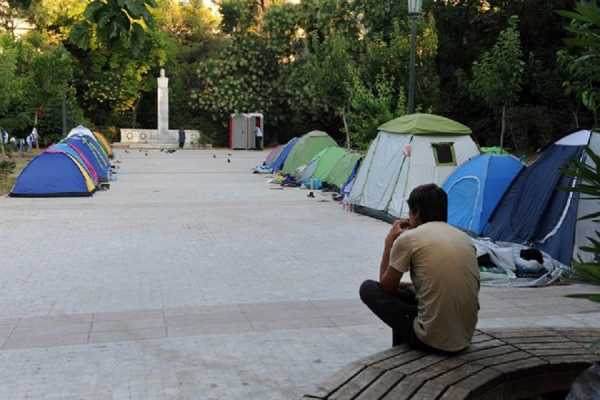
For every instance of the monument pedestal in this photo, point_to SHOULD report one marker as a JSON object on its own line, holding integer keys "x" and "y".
{"x": 152, "y": 139}
{"x": 163, "y": 137}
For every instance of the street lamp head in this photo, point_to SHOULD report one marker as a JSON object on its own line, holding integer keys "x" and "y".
{"x": 414, "y": 7}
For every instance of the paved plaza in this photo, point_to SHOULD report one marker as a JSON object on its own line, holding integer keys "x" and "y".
{"x": 193, "y": 279}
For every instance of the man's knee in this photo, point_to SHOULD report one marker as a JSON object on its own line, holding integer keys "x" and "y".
{"x": 368, "y": 289}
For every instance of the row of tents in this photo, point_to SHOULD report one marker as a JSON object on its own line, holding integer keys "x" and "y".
{"x": 76, "y": 166}
{"x": 489, "y": 195}
{"x": 313, "y": 157}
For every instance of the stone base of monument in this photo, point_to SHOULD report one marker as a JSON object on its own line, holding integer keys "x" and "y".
{"x": 150, "y": 139}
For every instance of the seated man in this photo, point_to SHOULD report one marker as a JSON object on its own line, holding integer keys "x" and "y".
{"x": 438, "y": 313}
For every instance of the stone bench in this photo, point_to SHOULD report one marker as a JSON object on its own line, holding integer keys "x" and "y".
{"x": 500, "y": 364}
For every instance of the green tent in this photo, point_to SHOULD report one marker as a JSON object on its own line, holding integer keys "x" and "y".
{"x": 328, "y": 160}
{"x": 305, "y": 149}
{"x": 342, "y": 170}
{"x": 494, "y": 150}
{"x": 425, "y": 124}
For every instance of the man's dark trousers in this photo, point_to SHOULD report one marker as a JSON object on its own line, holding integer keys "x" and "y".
{"x": 398, "y": 311}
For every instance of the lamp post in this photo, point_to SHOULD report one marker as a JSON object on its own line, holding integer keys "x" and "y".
{"x": 414, "y": 10}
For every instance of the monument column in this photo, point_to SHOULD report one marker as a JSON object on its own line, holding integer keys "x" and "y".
{"x": 163, "y": 105}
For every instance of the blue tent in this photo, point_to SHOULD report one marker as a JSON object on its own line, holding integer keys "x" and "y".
{"x": 475, "y": 188}
{"x": 53, "y": 174}
{"x": 97, "y": 162}
{"x": 77, "y": 155}
{"x": 280, "y": 160}
{"x": 537, "y": 212}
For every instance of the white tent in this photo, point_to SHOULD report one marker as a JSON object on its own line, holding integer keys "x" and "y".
{"x": 409, "y": 151}
{"x": 81, "y": 130}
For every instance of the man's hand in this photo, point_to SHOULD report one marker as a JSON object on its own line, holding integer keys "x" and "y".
{"x": 399, "y": 226}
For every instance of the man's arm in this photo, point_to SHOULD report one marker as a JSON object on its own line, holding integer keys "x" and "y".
{"x": 389, "y": 277}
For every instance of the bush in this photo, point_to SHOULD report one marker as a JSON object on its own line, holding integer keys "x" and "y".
{"x": 588, "y": 184}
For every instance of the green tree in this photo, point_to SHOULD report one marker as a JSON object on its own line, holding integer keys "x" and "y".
{"x": 114, "y": 24}
{"x": 582, "y": 59}
{"x": 498, "y": 75}
{"x": 239, "y": 78}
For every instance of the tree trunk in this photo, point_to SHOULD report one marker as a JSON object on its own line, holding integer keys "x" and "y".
{"x": 503, "y": 129}
{"x": 576, "y": 119}
{"x": 346, "y": 129}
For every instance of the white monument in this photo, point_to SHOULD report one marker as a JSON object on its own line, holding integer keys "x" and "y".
{"x": 163, "y": 136}
{"x": 163, "y": 104}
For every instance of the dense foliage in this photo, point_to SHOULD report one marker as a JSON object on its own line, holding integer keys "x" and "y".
{"x": 502, "y": 67}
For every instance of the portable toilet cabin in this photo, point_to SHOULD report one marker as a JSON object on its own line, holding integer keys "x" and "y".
{"x": 242, "y": 130}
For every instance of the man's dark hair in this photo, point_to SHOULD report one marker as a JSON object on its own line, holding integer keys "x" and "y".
{"x": 430, "y": 202}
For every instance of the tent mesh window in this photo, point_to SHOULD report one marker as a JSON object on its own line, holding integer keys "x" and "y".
{"x": 444, "y": 153}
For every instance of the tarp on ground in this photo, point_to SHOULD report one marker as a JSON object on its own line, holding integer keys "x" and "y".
{"x": 53, "y": 174}
{"x": 538, "y": 212}
{"x": 475, "y": 188}
{"x": 342, "y": 170}
{"x": 280, "y": 160}
{"x": 305, "y": 149}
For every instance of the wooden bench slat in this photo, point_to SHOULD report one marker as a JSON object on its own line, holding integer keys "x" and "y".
{"x": 382, "y": 385}
{"x": 488, "y": 353}
{"x": 420, "y": 364}
{"x": 359, "y": 382}
{"x": 401, "y": 359}
{"x": 481, "y": 382}
{"x": 338, "y": 379}
{"x": 505, "y": 358}
{"x": 536, "y": 339}
{"x": 435, "y": 387}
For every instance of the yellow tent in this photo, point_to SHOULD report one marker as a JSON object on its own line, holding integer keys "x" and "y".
{"x": 104, "y": 142}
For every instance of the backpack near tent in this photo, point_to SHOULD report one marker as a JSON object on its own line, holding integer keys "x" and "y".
{"x": 53, "y": 174}
{"x": 305, "y": 149}
{"x": 536, "y": 211}
{"x": 475, "y": 188}
{"x": 91, "y": 154}
{"x": 280, "y": 160}
{"x": 408, "y": 151}
{"x": 342, "y": 170}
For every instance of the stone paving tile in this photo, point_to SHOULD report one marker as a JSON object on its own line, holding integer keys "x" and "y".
{"x": 206, "y": 317}
{"x": 43, "y": 341}
{"x": 301, "y": 323}
{"x": 210, "y": 328}
{"x": 126, "y": 325}
{"x": 54, "y": 329}
{"x": 128, "y": 315}
{"x": 127, "y": 335}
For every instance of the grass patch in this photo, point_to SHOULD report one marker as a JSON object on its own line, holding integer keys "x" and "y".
{"x": 595, "y": 297}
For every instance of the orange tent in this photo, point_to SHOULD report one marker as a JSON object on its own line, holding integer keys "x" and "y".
{"x": 104, "y": 142}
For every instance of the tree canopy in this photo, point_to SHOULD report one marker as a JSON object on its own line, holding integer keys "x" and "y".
{"x": 521, "y": 69}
